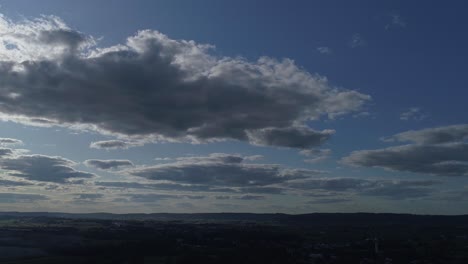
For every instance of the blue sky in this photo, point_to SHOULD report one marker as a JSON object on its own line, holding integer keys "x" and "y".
{"x": 210, "y": 106}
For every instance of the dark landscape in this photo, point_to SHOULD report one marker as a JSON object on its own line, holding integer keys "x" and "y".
{"x": 232, "y": 238}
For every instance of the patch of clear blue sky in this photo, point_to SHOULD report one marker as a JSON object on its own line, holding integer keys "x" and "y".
{"x": 422, "y": 64}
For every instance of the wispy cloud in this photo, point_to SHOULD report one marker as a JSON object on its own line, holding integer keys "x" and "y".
{"x": 357, "y": 41}
{"x": 325, "y": 50}
{"x": 413, "y": 113}
{"x": 396, "y": 22}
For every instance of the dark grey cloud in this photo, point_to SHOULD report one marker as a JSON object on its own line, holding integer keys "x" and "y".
{"x": 262, "y": 189}
{"x": 332, "y": 184}
{"x": 107, "y": 164}
{"x": 156, "y": 197}
{"x": 220, "y": 170}
{"x": 165, "y": 89}
{"x": 398, "y": 192}
{"x": 7, "y": 141}
{"x": 329, "y": 200}
{"x": 441, "y": 151}
{"x": 437, "y": 135}
{"x": 110, "y": 144}
{"x": 315, "y": 155}
{"x": 250, "y": 197}
{"x": 450, "y": 159}
{"x": 21, "y": 198}
{"x": 87, "y": 198}
{"x": 222, "y": 197}
{"x": 62, "y": 37}
{"x": 5, "y": 152}
{"x": 292, "y": 137}
{"x": 148, "y": 197}
{"x": 453, "y": 196}
{"x": 10, "y": 183}
{"x": 164, "y": 186}
{"x": 397, "y": 189}
{"x": 42, "y": 168}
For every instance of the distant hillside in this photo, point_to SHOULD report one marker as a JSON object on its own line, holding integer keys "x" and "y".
{"x": 314, "y": 219}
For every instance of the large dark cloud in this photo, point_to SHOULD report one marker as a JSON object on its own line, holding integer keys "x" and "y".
{"x": 107, "y": 164}
{"x": 220, "y": 170}
{"x": 438, "y": 151}
{"x": 161, "y": 88}
{"x": 42, "y": 168}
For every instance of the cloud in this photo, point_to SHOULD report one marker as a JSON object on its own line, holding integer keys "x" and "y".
{"x": 5, "y": 152}
{"x": 413, "y": 113}
{"x": 292, "y": 137}
{"x": 440, "y": 151}
{"x": 222, "y": 197}
{"x": 315, "y": 155}
{"x": 396, "y": 21}
{"x": 450, "y": 159}
{"x": 10, "y": 141}
{"x": 148, "y": 197}
{"x": 107, "y": 164}
{"x": 437, "y": 135}
{"x": 227, "y": 173}
{"x": 156, "y": 197}
{"x": 396, "y": 189}
{"x": 357, "y": 41}
{"x": 110, "y": 144}
{"x": 9, "y": 183}
{"x": 263, "y": 190}
{"x": 324, "y": 50}
{"x": 21, "y": 198}
{"x": 220, "y": 170}
{"x": 164, "y": 186}
{"x": 250, "y": 197}
{"x": 156, "y": 87}
{"x": 329, "y": 200}
{"x": 84, "y": 198}
{"x": 47, "y": 37}
{"x": 41, "y": 168}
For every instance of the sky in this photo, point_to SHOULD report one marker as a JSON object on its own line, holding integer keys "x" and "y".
{"x": 233, "y": 106}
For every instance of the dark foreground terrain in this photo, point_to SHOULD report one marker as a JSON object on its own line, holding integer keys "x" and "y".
{"x": 232, "y": 238}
